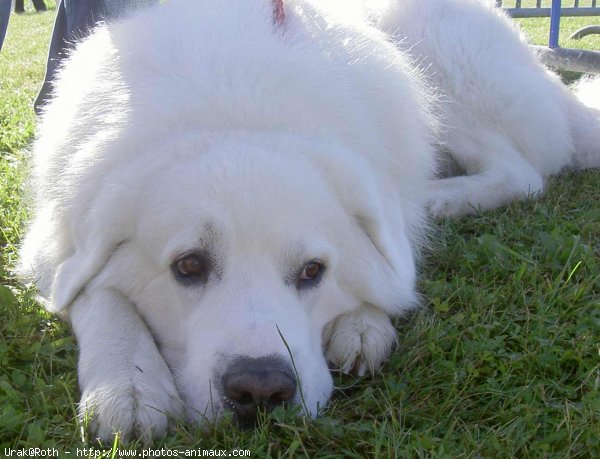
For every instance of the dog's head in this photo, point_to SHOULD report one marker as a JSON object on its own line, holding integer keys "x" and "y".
{"x": 237, "y": 256}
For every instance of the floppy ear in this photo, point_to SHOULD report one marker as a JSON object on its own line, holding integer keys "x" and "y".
{"x": 95, "y": 237}
{"x": 62, "y": 260}
{"x": 77, "y": 271}
{"x": 380, "y": 267}
{"x": 377, "y": 231}
{"x": 385, "y": 274}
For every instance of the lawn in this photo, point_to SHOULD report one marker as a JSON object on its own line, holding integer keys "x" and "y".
{"x": 503, "y": 361}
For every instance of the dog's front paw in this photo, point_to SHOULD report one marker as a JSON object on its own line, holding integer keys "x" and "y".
{"x": 141, "y": 407}
{"x": 443, "y": 205}
{"x": 360, "y": 340}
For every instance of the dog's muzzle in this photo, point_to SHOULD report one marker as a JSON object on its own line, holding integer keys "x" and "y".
{"x": 251, "y": 385}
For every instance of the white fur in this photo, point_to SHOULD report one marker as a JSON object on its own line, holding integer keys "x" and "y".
{"x": 357, "y": 340}
{"x": 508, "y": 122}
{"x": 202, "y": 125}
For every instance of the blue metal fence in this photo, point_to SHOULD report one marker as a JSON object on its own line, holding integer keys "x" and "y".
{"x": 520, "y": 9}
{"x": 553, "y": 55}
{"x": 555, "y": 13}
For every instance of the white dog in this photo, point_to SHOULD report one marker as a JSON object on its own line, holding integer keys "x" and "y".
{"x": 227, "y": 200}
{"x": 508, "y": 122}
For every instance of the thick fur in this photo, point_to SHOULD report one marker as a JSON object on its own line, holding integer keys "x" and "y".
{"x": 203, "y": 126}
{"x": 266, "y": 146}
{"x": 508, "y": 122}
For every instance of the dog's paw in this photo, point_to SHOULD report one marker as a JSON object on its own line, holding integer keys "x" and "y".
{"x": 441, "y": 208}
{"x": 360, "y": 340}
{"x": 141, "y": 407}
{"x": 445, "y": 205}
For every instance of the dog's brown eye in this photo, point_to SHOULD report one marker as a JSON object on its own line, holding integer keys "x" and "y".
{"x": 190, "y": 266}
{"x": 311, "y": 271}
{"x": 311, "y": 275}
{"x": 192, "y": 269}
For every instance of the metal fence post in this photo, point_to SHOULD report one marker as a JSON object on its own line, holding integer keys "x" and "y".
{"x": 554, "y": 24}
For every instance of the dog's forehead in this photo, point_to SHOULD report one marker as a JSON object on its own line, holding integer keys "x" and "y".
{"x": 242, "y": 177}
{"x": 244, "y": 194}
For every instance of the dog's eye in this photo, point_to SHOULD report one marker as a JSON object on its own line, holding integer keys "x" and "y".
{"x": 311, "y": 271}
{"x": 191, "y": 268}
{"x": 311, "y": 274}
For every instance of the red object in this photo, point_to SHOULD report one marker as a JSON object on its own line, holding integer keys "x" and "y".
{"x": 278, "y": 13}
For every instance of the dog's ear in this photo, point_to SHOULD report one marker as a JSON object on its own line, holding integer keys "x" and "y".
{"x": 62, "y": 262}
{"x": 95, "y": 237}
{"x": 77, "y": 271}
{"x": 64, "y": 251}
{"x": 382, "y": 271}
{"x": 379, "y": 266}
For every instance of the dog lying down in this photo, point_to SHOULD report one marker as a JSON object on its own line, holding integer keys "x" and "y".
{"x": 222, "y": 186}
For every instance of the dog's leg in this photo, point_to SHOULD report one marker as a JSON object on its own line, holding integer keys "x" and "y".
{"x": 584, "y": 122}
{"x": 126, "y": 385}
{"x": 359, "y": 340}
{"x": 496, "y": 174}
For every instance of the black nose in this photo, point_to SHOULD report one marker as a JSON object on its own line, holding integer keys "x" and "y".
{"x": 250, "y": 385}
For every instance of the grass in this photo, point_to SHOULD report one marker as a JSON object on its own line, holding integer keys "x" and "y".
{"x": 503, "y": 362}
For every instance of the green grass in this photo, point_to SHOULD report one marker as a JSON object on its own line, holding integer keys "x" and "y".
{"x": 504, "y": 361}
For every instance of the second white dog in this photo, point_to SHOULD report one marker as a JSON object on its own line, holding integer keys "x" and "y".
{"x": 508, "y": 123}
